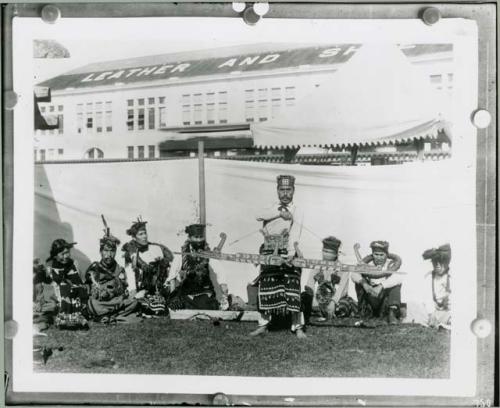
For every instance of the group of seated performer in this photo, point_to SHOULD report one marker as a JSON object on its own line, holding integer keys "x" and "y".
{"x": 108, "y": 292}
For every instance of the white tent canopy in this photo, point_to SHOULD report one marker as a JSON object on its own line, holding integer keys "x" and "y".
{"x": 378, "y": 97}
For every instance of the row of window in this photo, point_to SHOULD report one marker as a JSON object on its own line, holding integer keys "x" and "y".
{"x": 58, "y": 131}
{"x": 262, "y": 103}
{"x": 47, "y": 154}
{"x": 51, "y": 111}
{"x": 94, "y": 117}
{"x": 199, "y": 108}
{"x": 139, "y": 152}
{"x": 51, "y": 108}
{"x": 146, "y": 113}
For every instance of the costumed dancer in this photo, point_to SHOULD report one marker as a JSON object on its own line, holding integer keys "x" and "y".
{"x": 196, "y": 289}
{"x": 147, "y": 266}
{"x": 326, "y": 280}
{"x": 380, "y": 296}
{"x": 279, "y": 286}
{"x": 71, "y": 290}
{"x": 441, "y": 291}
{"x": 109, "y": 299}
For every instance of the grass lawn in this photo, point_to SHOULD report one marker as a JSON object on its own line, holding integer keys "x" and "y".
{"x": 163, "y": 346}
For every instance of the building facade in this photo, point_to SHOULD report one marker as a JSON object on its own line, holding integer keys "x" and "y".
{"x": 125, "y": 109}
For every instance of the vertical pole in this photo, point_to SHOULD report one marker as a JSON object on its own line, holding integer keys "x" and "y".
{"x": 201, "y": 181}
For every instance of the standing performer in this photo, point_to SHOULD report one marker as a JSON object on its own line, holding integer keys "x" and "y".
{"x": 71, "y": 290}
{"x": 441, "y": 291}
{"x": 196, "y": 289}
{"x": 279, "y": 286}
{"x": 326, "y": 280}
{"x": 147, "y": 266}
{"x": 380, "y": 296}
{"x": 110, "y": 299}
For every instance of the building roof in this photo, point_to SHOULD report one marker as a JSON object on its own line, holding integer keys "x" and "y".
{"x": 398, "y": 104}
{"x": 225, "y": 60}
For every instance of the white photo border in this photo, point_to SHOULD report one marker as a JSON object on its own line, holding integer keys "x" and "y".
{"x": 461, "y": 33}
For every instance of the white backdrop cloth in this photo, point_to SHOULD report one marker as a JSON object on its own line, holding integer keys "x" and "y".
{"x": 413, "y": 206}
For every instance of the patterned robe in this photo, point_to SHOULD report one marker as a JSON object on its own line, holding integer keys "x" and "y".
{"x": 196, "y": 290}
{"x": 279, "y": 286}
{"x": 150, "y": 265}
{"x": 109, "y": 296}
{"x": 72, "y": 292}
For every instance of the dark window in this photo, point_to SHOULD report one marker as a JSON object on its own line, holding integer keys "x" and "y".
{"x": 60, "y": 152}
{"x": 151, "y": 152}
{"x": 140, "y": 119}
{"x": 130, "y": 152}
{"x": 107, "y": 121}
{"x": 151, "y": 118}
{"x": 42, "y": 154}
{"x": 60, "y": 108}
{"x": 140, "y": 101}
{"x": 95, "y": 153}
{"x": 130, "y": 119}
{"x": 130, "y": 102}
{"x": 90, "y": 123}
{"x": 151, "y": 101}
{"x": 141, "y": 152}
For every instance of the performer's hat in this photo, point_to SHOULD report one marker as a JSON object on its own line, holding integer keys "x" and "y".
{"x": 58, "y": 246}
{"x": 109, "y": 241}
{"x": 285, "y": 180}
{"x": 441, "y": 254}
{"x": 332, "y": 243}
{"x": 195, "y": 230}
{"x": 380, "y": 245}
{"x": 136, "y": 227}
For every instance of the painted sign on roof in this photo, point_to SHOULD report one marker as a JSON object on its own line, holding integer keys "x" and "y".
{"x": 269, "y": 60}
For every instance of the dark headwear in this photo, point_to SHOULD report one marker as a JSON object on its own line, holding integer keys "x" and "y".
{"x": 195, "y": 230}
{"x": 109, "y": 241}
{"x": 136, "y": 227}
{"x": 285, "y": 180}
{"x": 441, "y": 254}
{"x": 331, "y": 243}
{"x": 58, "y": 246}
{"x": 380, "y": 245}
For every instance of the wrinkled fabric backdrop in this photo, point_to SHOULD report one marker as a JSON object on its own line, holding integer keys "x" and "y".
{"x": 413, "y": 206}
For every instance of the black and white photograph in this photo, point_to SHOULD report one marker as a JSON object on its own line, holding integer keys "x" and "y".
{"x": 209, "y": 206}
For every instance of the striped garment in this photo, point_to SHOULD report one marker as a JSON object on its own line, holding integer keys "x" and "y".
{"x": 279, "y": 289}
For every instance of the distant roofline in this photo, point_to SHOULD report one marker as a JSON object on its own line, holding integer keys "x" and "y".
{"x": 201, "y": 53}
{"x": 117, "y": 68}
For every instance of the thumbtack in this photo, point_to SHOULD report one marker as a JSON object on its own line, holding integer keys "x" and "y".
{"x": 238, "y": 7}
{"x": 50, "y": 14}
{"x": 481, "y": 327}
{"x": 481, "y": 118}
{"x": 250, "y": 16}
{"x": 10, "y": 329}
{"x": 431, "y": 15}
{"x": 261, "y": 8}
{"x": 10, "y": 99}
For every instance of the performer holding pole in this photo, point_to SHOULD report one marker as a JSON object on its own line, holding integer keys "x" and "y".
{"x": 279, "y": 286}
